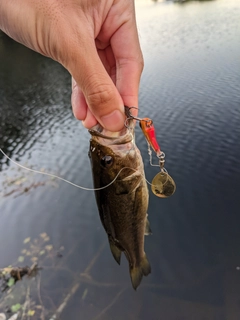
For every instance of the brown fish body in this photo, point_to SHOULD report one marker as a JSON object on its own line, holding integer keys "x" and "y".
{"x": 123, "y": 204}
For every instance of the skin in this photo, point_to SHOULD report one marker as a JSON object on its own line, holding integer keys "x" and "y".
{"x": 95, "y": 40}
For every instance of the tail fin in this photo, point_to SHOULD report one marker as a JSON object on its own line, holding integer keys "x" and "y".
{"x": 136, "y": 273}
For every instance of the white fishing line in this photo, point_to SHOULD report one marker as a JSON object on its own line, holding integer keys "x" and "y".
{"x": 69, "y": 182}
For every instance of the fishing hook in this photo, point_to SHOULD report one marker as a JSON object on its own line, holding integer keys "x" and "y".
{"x": 130, "y": 116}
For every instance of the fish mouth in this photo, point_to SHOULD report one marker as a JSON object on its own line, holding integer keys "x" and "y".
{"x": 99, "y": 131}
{"x": 106, "y": 137}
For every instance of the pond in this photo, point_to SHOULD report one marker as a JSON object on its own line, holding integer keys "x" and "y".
{"x": 191, "y": 88}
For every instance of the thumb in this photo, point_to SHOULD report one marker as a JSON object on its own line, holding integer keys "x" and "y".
{"x": 100, "y": 93}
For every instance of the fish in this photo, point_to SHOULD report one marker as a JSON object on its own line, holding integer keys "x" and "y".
{"x": 117, "y": 163}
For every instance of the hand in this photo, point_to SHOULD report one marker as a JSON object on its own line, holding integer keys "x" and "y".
{"x": 95, "y": 40}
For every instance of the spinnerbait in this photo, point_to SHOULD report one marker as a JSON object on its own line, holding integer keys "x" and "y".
{"x": 163, "y": 185}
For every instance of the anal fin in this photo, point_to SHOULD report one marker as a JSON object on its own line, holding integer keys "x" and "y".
{"x": 148, "y": 230}
{"x": 116, "y": 252}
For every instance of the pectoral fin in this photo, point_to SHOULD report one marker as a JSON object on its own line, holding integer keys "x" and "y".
{"x": 116, "y": 252}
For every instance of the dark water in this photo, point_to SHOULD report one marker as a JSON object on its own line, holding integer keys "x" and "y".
{"x": 191, "y": 88}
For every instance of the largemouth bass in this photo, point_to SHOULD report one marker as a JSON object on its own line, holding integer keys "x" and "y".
{"x": 123, "y": 204}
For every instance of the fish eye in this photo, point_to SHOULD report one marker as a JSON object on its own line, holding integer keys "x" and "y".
{"x": 107, "y": 161}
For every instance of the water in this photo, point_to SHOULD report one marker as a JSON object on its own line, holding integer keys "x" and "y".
{"x": 191, "y": 88}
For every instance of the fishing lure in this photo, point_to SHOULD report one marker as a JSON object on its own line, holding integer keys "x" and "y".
{"x": 162, "y": 185}
{"x": 146, "y": 124}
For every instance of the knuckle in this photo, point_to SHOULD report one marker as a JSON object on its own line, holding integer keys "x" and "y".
{"x": 100, "y": 95}
{"x": 137, "y": 61}
{"x": 140, "y": 61}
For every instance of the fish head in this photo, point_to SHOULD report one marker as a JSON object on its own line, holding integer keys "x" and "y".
{"x": 113, "y": 155}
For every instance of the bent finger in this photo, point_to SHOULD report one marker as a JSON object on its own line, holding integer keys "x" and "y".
{"x": 79, "y": 105}
{"x": 102, "y": 96}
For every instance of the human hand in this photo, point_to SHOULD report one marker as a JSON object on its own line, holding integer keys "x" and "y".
{"x": 95, "y": 40}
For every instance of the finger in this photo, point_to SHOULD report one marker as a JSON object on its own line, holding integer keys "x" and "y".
{"x": 79, "y": 105}
{"x": 109, "y": 62}
{"x": 128, "y": 66}
{"x": 80, "y": 108}
{"x": 90, "y": 120}
{"x": 102, "y": 96}
{"x": 78, "y": 101}
{"x": 127, "y": 53}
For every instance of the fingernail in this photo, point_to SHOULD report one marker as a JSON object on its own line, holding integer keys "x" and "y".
{"x": 114, "y": 121}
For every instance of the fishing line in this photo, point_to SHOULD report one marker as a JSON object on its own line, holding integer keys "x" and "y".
{"x": 69, "y": 182}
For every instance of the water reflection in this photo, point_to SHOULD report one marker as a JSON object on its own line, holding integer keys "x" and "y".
{"x": 190, "y": 87}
